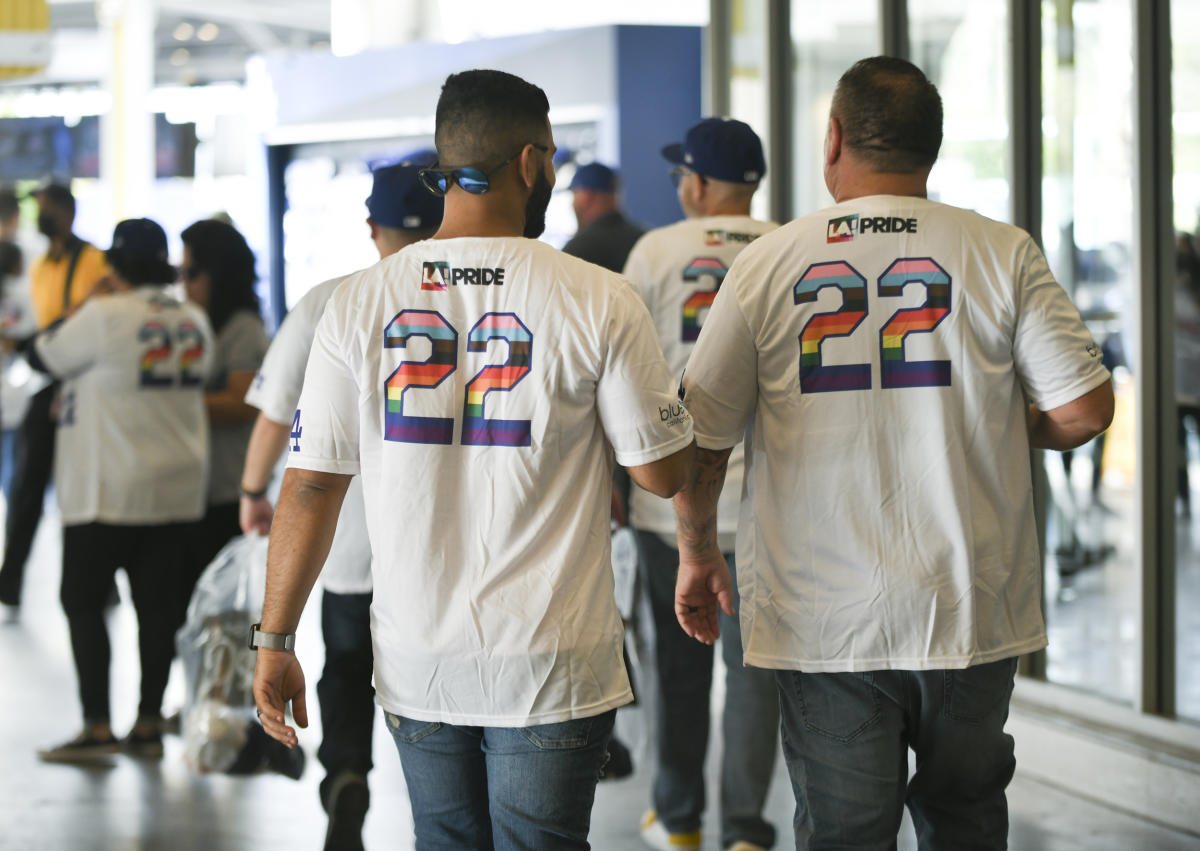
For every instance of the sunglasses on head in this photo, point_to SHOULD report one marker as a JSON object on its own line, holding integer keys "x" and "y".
{"x": 679, "y": 172}
{"x": 473, "y": 180}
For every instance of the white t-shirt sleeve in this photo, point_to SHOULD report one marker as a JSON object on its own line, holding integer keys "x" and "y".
{"x": 637, "y": 269}
{"x": 636, "y": 395}
{"x": 70, "y": 349}
{"x": 1056, "y": 358}
{"x": 325, "y": 429}
{"x": 720, "y": 383}
{"x": 276, "y": 389}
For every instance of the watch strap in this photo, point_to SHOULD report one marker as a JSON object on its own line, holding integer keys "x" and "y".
{"x": 271, "y": 640}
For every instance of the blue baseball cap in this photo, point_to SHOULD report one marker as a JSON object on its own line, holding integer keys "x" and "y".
{"x": 398, "y": 200}
{"x": 141, "y": 241}
{"x": 595, "y": 176}
{"x": 721, "y": 148}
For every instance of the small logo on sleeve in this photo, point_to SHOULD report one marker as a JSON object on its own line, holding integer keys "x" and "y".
{"x": 1093, "y": 350}
{"x": 437, "y": 275}
{"x": 674, "y": 413}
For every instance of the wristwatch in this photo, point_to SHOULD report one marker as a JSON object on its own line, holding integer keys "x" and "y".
{"x": 271, "y": 640}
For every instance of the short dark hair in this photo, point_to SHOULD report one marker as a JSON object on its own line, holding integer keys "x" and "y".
{"x": 140, "y": 271}
{"x": 890, "y": 114}
{"x": 220, "y": 250}
{"x": 484, "y": 116}
{"x": 8, "y": 203}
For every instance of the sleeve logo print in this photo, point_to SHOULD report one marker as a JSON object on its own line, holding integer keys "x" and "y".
{"x": 438, "y": 275}
{"x": 673, "y": 414}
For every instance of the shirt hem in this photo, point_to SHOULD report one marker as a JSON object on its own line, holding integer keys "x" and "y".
{"x": 468, "y": 720}
{"x": 1077, "y": 390}
{"x": 649, "y": 456}
{"x": 927, "y": 663}
{"x": 324, "y": 465}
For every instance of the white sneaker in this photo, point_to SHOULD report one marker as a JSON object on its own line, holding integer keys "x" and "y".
{"x": 656, "y": 836}
{"x": 743, "y": 845}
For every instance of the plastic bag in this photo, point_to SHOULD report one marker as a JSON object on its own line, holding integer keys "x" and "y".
{"x": 218, "y": 667}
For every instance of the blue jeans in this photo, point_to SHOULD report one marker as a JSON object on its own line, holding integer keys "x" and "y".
{"x": 846, "y": 738}
{"x": 528, "y": 788}
{"x": 345, "y": 693}
{"x": 750, "y": 722}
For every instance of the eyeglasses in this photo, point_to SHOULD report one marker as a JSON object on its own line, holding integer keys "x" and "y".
{"x": 473, "y": 180}
{"x": 679, "y": 172}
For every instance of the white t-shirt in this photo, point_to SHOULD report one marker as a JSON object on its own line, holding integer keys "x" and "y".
{"x": 677, "y": 270}
{"x": 276, "y": 391}
{"x": 481, "y": 387}
{"x": 132, "y": 430}
{"x": 882, "y": 352}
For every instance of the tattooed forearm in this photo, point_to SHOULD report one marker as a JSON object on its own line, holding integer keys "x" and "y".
{"x": 696, "y": 504}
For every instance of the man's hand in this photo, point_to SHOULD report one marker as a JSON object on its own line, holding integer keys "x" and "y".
{"x": 255, "y": 514}
{"x": 279, "y": 678}
{"x": 700, "y": 587}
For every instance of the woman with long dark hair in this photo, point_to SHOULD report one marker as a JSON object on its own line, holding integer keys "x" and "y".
{"x": 218, "y": 272}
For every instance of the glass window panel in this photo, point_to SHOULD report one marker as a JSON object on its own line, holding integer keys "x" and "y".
{"x": 827, "y": 40}
{"x": 963, "y": 49}
{"x": 748, "y": 83}
{"x": 1092, "y": 583}
{"x": 1185, "y": 81}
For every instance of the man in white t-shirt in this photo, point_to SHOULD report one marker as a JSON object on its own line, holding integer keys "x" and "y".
{"x": 130, "y": 469}
{"x": 481, "y": 384}
{"x": 401, "y": 212}
{"x": 890, "y": 361}
{"x": 677, "y": 270}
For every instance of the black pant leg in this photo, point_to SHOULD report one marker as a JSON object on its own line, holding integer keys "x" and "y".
{"x": 34, "y": 462}
{"x": 160, "y": 558}
{"x": 90, "y": 560}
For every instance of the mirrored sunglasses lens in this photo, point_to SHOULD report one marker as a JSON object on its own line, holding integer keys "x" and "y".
{"x": 434, "y": 181}
{"x": 472, "y": 180}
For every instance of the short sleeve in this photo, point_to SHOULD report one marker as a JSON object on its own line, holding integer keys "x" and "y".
{"x": 276, "y": 389}
{"x": 325, "y": 426}
{"x": 720, "y": 384}
{"x": 244, "y": 342}
{"x": 636, "y": 396}
{"x": 637, "y": 269}
{"x": 69, "y": 349}
{"x": 1056, "y": 358}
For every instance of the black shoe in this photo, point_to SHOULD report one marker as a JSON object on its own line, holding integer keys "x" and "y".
{"x": 84, "y": 747}
{"x": 147, "y": 745}
{"x": 349, "y": 798}
{"x": 619, "y": 763}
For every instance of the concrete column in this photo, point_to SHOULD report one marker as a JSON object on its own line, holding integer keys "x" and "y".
{"x": 127, "y": 130}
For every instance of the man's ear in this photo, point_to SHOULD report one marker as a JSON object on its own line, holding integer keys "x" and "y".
{"x": 374, "y": 228}
{"x": 833, "y": 141}
{"x": 530, "y": 163}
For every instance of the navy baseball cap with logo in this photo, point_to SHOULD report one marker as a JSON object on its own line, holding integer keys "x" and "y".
{"x": 594, "y": 176}
{"x": 398, "y": 200}
{"x": 721, "y": 148}
{"x": 142, "y": 241}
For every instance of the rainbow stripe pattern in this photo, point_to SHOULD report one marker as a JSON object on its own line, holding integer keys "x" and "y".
{"x": 411, "y": 375}
{"x": 814, "y": 377}
{"x": 159, "y": 337}
{"x": 699, "y": 268}
{"x": 895, "y": 370}
{"x": 193, "y": 350}
{"x": 477, "y": 429}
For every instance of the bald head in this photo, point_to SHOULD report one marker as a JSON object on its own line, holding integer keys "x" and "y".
{"x": 890, "y": 115}
{"x": 484, "y": 117}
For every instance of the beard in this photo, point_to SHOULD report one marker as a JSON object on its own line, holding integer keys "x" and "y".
{"x": 535, "y": 207}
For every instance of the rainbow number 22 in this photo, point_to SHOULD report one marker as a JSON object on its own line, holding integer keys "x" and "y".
{"x": 477, "y": 429}
{"x": 895, "y": 370}
{"x": 695, "y": 271}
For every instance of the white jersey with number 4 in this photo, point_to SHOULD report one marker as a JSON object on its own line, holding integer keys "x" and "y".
{"x": 677, "y": 270}
{"x": 481, "y": 387}
{"x": 276, "y": 391}
{"x": 884, "y": 352}
{"x": 132, "y": 429}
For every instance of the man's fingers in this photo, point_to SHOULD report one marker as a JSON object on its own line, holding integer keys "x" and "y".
{"x": 300, "y": 710}
{"x": 725, "y": 599}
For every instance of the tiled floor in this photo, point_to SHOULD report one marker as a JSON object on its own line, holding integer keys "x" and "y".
{"x": 128, "y": 804}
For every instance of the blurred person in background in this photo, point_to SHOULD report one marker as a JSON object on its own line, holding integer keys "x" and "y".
{"x": 133, "y": 447}
{"x": 59, "y": 280}
{"x": 401, "y": 212}
{"x": 218, "y": 274}
{"x": 1187, "y": 356}
{"x": 605, "y": 235}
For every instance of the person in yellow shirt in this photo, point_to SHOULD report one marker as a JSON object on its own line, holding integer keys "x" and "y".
{"x": 59, "y": 280}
